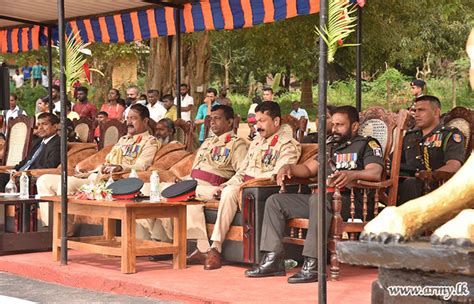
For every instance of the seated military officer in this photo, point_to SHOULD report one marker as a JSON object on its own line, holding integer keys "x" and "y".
{"x": 355, "y": 157}
{"x": 133, "y": 151}
{"x": 428, "y": 147}
{"x": 266, "y": 155}
{"x": 217, "y": 160}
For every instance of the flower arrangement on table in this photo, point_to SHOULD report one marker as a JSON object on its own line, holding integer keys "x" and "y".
{"x": 97, "y": 191}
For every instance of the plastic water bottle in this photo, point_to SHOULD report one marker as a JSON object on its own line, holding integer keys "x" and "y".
{"x": 133, "y": 173}
{"x": 24, "y": 185}
{"x": 155, "y": 193}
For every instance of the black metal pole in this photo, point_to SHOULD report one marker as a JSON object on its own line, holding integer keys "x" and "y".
{"x": 50, "y": 71}
{"x": 178, "y": 60}
{"x": 321, "y": 213}
{"x": 359, "y": 61}
{"x": 62, "y": 77}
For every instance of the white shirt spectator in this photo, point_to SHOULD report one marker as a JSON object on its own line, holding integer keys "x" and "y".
{"x": 157, "y": 111}
{"x": 185, "y": 101}
{"x": 13, "y": 113}
{"x": 44, "y": 80}
{"x": 18, "y": 79}
{"x": 301, "y": 113}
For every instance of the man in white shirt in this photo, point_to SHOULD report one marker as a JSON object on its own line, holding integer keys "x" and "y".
{"x": 14, "y": 110}
{"x": 187, "y": 102}
{"x": 298, "y": 112}
{"x": 133, "y": 95}
{"x": 18, "y": 79}
{"x": 44, "y": 79}
{"x": 157, "y": 111}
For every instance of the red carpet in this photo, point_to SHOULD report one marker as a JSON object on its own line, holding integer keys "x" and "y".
{"x": 192, "y": 285}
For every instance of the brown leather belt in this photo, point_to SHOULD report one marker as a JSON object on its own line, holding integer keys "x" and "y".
{"x": 248, "y": 177}
{"x": 211, "y": 178}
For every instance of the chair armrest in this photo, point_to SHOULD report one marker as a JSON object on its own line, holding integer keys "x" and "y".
{"x": 259, "y": 182}
{"x": 372, "y": 185}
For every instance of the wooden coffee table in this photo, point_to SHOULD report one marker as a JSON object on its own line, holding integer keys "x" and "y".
{"x": 127, "y": 246}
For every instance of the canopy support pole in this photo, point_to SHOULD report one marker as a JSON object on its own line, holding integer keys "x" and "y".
{"x": 321, "y": 212}
{"x": 178, "y": 60}
{"x": 50, "y": 72}
{"x": 359, "y": 61}
{"x": 62, "y": 77}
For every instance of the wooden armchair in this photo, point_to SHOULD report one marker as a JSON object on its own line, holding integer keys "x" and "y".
{"x": 354, "y": 226}
{"x": 110, "y": 132}
{"x": 185, "y": 133}
{"x": 462, "y": 119}
{"x": 84, "y": 128}
{"x": 17, "y": 145}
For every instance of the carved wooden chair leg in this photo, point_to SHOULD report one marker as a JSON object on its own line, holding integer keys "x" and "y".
{"x": 335, "y": 235}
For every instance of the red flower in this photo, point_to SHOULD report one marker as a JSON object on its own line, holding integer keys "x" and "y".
{"x": 340, "y": 42}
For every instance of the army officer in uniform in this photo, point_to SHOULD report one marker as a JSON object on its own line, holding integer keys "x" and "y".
{"x": 353, "y": 157}
{"x": 266, "y": 155}
{"x": 429, "y": 147}
{"x": 217, "y": 160}
{"x": 133, "y": 151}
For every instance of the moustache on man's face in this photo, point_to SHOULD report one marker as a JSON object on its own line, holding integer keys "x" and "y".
{"x": 129, "y": 126}
{"x": 260, "y": 130}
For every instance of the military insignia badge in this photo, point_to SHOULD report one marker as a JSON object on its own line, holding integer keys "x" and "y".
{"x": 375, "y": 148}
{"x": 457, "y": 137}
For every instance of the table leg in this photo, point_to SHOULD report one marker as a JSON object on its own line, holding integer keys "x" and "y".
{"x": 128, "y": 242}
{"x": 109, "y": 228}
{"x": 25, "y": 217}
{"x": 179, "y": 238}
{"x": 56, "y": 232}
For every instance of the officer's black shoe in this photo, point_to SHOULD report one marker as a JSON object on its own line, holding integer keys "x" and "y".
{"x": 307, "y": 274}
{"x": 272, "y": 264}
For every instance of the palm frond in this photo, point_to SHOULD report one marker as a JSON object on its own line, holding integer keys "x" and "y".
{"x": 341, "y": 23}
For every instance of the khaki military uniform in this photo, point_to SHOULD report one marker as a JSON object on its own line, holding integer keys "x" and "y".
{"x": 427, "y": 152}
{"x": 130, "y": 152}
{"x": 217, "y": 160}
{"x": 264, "y": 158}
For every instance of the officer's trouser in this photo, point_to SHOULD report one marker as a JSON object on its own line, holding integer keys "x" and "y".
{"x": 50, "y": 185}
{"x": 408, "y": 189}
{"x": 228, "y": 206}
{"x": 162, "y": 229}
{"x": 281, "y": 207}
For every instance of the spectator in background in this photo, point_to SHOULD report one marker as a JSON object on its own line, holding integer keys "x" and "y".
{"x": 132, "y": 98}
{"x": 18, "y": 79}
{"x": 36, "y": 73}
{"x": 157, "y": 111}
{"x": 187, "y": 102}
{"x": 13, "y": 112}
{"x": 171, "y": 110}
{"x": 26, "y": 73}
{"x": 43, "y": 106}
{"x": 251, "y": 121}
{"x": 102, "y": 117}
{"x": 204, "y": 110}
{"x": 56, "y": 98}
{"x": 223, "y": 100}
{"x": 84, "y": 108}
{"x": 44, "y": 78}
{"x": 267, "y": 94}
{"x": 113, "y": 109}
{"x": 417, "y": 89}
{"x": 165, "y": 131}
{"x": 299, "y": 112}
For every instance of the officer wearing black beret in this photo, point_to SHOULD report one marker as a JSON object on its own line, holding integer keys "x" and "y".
{"x": 429, "y": 147}
{"x": 352, "y": 157}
